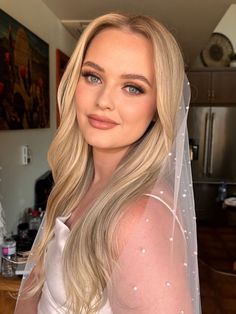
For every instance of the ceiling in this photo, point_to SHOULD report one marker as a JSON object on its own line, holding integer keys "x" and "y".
{"x": 192, "y": 22}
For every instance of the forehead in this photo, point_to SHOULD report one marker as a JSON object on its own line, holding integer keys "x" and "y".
{"x": 128, "y": 49}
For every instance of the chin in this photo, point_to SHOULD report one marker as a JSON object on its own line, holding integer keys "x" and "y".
{"x": 99, "y": 143}
{"x": 102, "y": 146}
{"x": 105, "y": 144}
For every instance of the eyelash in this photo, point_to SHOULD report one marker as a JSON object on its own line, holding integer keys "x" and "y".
{"x": 138, "y": 89}
{"x": 87, "y": 74}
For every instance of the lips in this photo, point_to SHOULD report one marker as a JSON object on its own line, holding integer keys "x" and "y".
{"x": 100, "y": 122}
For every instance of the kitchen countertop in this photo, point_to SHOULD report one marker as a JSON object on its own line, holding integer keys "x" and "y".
{"x": 11, "y": 284}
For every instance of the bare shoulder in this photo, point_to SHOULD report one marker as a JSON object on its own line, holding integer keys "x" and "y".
{"x": 148, "y": 214}
{"x": 149, "y": 207}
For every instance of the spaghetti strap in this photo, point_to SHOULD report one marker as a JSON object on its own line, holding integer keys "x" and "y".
{"x": 170, "y": 209}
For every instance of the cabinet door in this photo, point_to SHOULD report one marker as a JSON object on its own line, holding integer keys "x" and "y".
{"x": 200, "y": 83}
{"x": 223, "y": 87}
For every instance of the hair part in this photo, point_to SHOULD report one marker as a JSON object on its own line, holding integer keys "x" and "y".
{"x": 70, "y": 157}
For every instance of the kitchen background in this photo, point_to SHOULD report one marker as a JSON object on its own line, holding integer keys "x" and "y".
{"x": 191, "y": 23}
{"x": 211, "y": 125}
{"x": 17, "y": 180}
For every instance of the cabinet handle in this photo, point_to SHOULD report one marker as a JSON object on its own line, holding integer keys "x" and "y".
{"x": 213, "y": 94}
{"x": 210, "y": 163}
{"x": 206, "y": 143}
{"x": 209, "y": 94}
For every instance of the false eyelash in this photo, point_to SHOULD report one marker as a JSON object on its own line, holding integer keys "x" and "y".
{"x": 138, "y": 87}
{"x": 86, "y": 73}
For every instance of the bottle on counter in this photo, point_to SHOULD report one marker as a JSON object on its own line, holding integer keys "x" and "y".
{"x": 222, "y": 192}
{"x": 8, "y": 257}
{"x": 35, "y": 220}
{"x": 34, "y": 223}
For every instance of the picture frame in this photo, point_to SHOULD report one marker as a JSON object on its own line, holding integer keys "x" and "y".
{"x": 61, "y": 63}
{"x": 24, "y": 77}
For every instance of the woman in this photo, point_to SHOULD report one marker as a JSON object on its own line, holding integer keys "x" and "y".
{"x": 119, "y": 233}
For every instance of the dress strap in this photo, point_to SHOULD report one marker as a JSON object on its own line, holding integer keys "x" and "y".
{"x": 170, "y": 209}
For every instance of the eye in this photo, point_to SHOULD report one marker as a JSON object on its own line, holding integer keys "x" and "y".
{"x": 133, "y": 89}
{"x": 91, "y": 78}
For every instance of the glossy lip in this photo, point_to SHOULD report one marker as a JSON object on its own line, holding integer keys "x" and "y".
{"x": 100, "y": 122}
{"x": 101, "y": 118}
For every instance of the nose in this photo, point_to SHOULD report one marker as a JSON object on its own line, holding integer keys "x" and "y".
{"x": 105, "y": 100}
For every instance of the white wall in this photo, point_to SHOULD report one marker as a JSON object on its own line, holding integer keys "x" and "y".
{"x": 226, "y": 26}
{"x": 17, "y": 181}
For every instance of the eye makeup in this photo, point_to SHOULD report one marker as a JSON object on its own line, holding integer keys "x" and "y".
{"x": 91, "y": 76}
{"x": 133, "y": 88}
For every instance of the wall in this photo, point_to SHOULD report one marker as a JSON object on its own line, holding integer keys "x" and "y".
{"x": 226, "y": 26}
{"x": 17, "y": 181}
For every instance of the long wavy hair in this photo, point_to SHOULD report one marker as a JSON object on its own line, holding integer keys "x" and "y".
{"x": 92, "y": 237}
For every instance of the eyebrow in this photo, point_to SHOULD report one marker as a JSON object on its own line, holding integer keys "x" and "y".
{"x": 124, "y": 76}
{"x": 94, "y": 65}
{"x": 136, "y": 77}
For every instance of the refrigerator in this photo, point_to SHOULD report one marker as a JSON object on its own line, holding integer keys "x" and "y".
{"x": 212, "y": 139}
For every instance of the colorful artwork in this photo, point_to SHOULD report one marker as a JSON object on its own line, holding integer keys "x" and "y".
{"x": 24, "y": 77}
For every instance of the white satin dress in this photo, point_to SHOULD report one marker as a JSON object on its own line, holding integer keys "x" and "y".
{"x": 53, "y": 295}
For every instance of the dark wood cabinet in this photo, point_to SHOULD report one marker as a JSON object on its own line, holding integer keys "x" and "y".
{"x": 213, "y": 86}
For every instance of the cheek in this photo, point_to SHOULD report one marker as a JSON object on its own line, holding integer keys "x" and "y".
{"x": 82, "y": 97}
{"x": 140, "y": 113}
{"x": 80, "y": 105}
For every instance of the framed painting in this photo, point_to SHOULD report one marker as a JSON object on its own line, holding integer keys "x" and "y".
{"x": 61, "y": 63}
{"x": 24, "y": 77}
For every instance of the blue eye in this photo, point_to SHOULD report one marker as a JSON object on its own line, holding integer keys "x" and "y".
{"x": 134, "y": 90}
{"x": 91, "y": 78}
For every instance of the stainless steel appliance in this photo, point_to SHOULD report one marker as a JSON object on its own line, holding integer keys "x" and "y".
{"x": 212, "y": 137}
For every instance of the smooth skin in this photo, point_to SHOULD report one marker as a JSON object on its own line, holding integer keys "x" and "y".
{"x": 117, "y": 83}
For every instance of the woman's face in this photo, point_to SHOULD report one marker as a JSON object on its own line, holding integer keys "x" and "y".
{"x": 116, "y": 93}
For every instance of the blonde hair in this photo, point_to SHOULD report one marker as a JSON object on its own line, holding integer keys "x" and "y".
{"x": 92, "y": 238}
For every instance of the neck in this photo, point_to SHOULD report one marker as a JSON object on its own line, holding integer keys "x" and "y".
{"x": 105, "y": 163}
